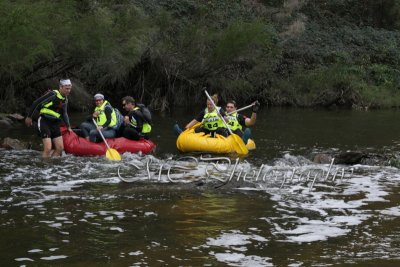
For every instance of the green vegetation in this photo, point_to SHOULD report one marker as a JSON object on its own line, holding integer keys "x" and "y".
{"x": 343, "y": 53}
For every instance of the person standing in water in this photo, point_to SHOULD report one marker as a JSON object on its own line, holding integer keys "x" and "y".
{"x": 52, "y": 108}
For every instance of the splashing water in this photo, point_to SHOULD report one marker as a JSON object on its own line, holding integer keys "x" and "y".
{"x": 196, "y": 211}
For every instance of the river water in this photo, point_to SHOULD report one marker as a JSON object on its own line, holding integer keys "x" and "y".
{"x": 273, "y": 208}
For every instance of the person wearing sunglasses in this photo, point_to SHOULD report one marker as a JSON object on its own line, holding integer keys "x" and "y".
{"x": 136, "y": 125}
{"x": 106, "y": 119}
{"x": 239, "y": 123}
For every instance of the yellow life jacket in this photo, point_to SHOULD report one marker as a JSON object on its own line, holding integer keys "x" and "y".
{"x": 233, "y": 122}
{"x": 101, "y": 119}
{"x": 52, "y": 108}
{"x": 146, "y": 128}
{"x": 212, "y": 120}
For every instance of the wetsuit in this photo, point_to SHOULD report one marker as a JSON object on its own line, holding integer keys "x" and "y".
{"x": 137, "y": 127}
{"x": 52, "y": 108}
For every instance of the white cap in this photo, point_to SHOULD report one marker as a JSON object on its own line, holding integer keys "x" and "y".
{"x": 98, "y": 96}
{"x": 65, "y": 82}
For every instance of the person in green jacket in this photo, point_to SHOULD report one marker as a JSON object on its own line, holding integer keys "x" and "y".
{"x": 106, "y": 120}
{"x": 136, "y": 126}
{"x": 52, "y": 108}
{"x": 239, "y": 123}
{"x": 211, "y": 122}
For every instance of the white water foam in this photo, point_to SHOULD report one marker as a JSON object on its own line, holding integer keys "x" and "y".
{"x": 329, "y": 210}
{"x": 238, "y": 259}
{"x": 394, "y": 211}
{"x": 52, "y": 258}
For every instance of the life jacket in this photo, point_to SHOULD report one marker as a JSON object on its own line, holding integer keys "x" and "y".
{"x": 146, "y": 114}
{"x": 233, "y": 122}
{"x": 53, "y": 107}
{"x": 101, "y": 119}
{"x": 146, "y": 126}
{"x": 212, "y": 120}
{"x": 120, "y": 119}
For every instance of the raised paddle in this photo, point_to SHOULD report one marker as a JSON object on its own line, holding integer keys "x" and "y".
{"x": 238, "y": 144}
{"x": 111, "y": 153}
{"x": 240, "y": 109}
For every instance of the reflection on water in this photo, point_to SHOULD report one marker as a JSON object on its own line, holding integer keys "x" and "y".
{"x": 75, "y": 211}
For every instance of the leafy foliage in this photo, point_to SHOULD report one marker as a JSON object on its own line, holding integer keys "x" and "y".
{"x": 282, "y": 52}
{"x": 23, "y": 41}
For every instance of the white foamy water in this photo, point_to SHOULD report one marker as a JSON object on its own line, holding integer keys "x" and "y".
{"x": 235, "y": 238}
{"x": 308, "y": 204}
{"x": 238, "y": 259}
{"x": 52, "y": 258}
{"x": 336, "y": 211}
{"x": 394, "y": 211}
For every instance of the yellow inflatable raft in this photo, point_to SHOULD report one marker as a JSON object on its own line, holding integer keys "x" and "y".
{"x": 189, "y": 141}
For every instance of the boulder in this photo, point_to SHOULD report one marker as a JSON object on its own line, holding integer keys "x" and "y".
{"x": 79, "y": 99}
{"x": 9, "y": 120}
{"x": 14, "y": 144}
{"x": 352, "y": 157}
{"x": 5, "y": 122}
{"x": 16, "y": 117}
{"x": 322, "y": 158}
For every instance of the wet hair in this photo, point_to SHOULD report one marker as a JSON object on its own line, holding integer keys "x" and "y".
{"x": 232, "y": 102}
{"x": 214, "y": 98}
{"x": 129, "y": 99}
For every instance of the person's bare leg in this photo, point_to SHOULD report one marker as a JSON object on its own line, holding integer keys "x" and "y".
{"x": 46, "y": 147}
{"x": 58, "y": 146}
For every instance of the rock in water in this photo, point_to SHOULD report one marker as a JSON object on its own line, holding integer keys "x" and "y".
{"x": 15, "y": 144}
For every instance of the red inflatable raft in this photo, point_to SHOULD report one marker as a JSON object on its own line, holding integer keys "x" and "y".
{"x": 79, "y": 146}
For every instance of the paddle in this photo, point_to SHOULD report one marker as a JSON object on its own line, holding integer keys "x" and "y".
{"x": 240, "y": 109}
{"x": 111, "y": 153}
{"x": 238, "y": 144}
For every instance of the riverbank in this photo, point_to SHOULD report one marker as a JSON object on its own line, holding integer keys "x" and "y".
{"x": 283, "y": 53}
{"x": 9, "y": 120}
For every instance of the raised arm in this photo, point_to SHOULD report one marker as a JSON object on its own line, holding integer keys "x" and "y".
{"x": 252, "y": 120}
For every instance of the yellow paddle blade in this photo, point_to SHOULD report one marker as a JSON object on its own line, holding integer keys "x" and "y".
{"x": 239, "y": 145}
{"x": 113, "y": 154}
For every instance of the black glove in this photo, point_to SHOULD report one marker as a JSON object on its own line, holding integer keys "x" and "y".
{"x": 256, "y": 106}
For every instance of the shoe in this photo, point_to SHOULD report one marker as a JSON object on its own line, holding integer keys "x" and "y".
{"x": 177, "y": 130}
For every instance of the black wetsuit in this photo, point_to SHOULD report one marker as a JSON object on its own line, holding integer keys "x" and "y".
{"x": 131, "y": 132}
{"x": 48, "y": 125}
